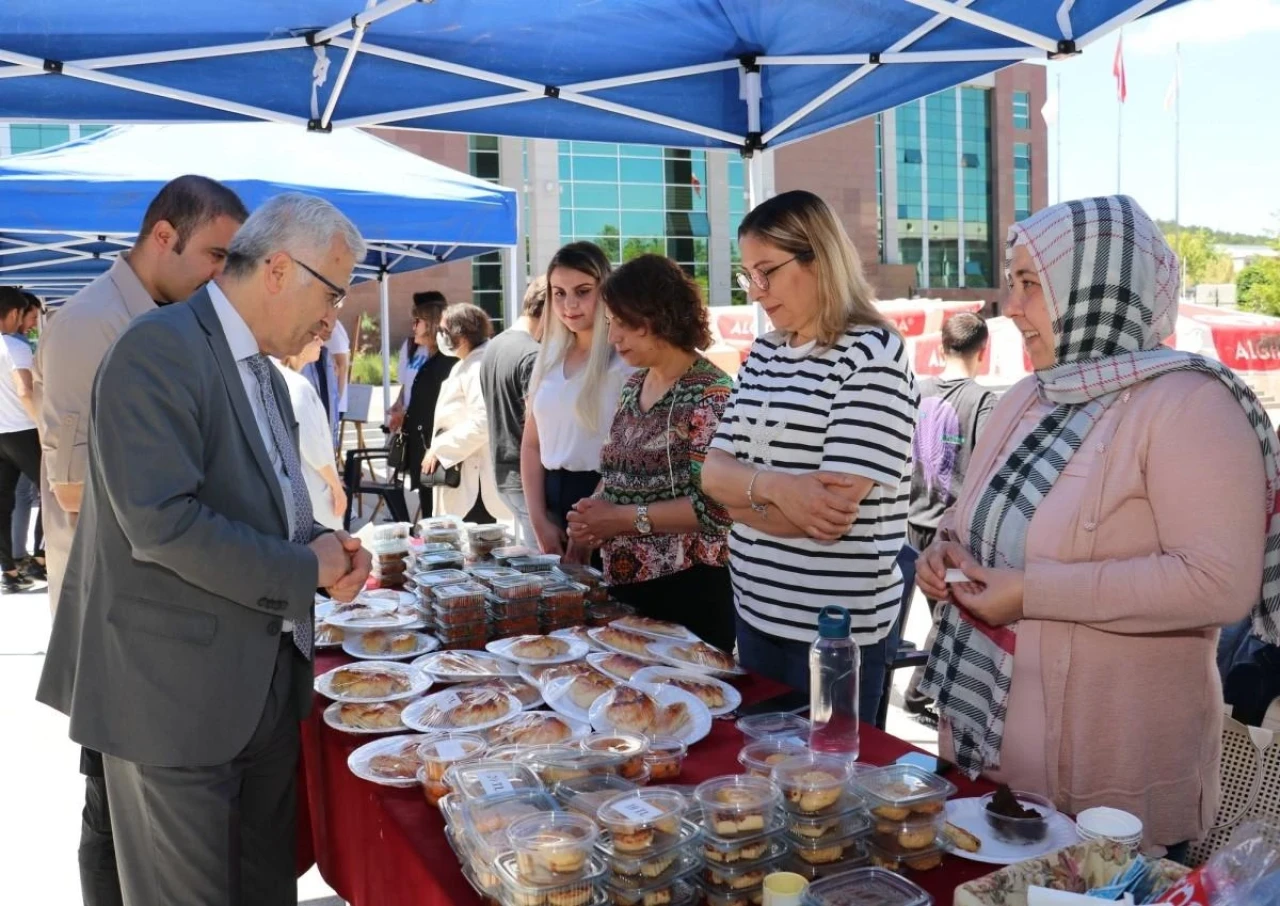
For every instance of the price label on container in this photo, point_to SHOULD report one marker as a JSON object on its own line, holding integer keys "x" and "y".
{"x": 451, "y": 749}
{"x": 493, "y": 782}
{"x": 638, "y": 810}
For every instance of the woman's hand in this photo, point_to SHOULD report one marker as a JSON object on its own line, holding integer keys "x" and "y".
{"x": 593, "y": 521}
{"x": 395, "y": 417}
{"x": 339, "y": 501}
{"x": 932, "y": 566}
{"x": 821, "y": 504}
{"x": 429, "y": 463}
{"x": 994, "y": 596}
{"x": 551, "y": 538}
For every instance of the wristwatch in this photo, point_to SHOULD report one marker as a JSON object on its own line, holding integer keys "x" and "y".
{"x": 643, "y": 525}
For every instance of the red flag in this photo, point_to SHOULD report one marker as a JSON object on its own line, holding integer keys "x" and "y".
{"x": 1117, "y": 70}
{"x": 697, "y": 185}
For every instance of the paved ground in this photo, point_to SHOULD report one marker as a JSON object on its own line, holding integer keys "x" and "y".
{"x": 43, "y": 790}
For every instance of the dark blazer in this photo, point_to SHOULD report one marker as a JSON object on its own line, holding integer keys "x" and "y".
{"x": 181, "y": 570}
{"x": 420, "y": 418}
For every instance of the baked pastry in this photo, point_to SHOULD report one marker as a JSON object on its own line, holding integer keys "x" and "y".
{"x": 824, "y": 855}
{"x": 633, "y": 840}
{"x": 558, "y": 853}
{"x": 519, "y": 688}
{"x": 477, "y": 706}
{"x": 577, "y": 895}
{"x": 586, "y": 687}
{"x": 376, "y": 642}
{"x": 400, "y": 764}
{"x": 737, "y": 882}
{"x": 625, "y": 640}
{"x": 961, "y": 839}
{"x": 814, "y": 830}
{"x": 403, "y": 643}
{"x": 465, "y": 663}
{"x": 932, "y": 807}
{"x": 623, "y": 665}
{"x": 368, "y": 683}
{"x": 671, "y": 720}
{"x": 654, "y": 868}
{"x": 652, "y": 626}
{"x": 916, "y": 837}
{"x": 659, "y": 897}
{"x": 631, "y": 710}
{"x": 329, "y": 635}
{"x": 531, "y": 728}
{"x": 814, "y": 800}
{"x": 709, "y": 694}
{"x": 924, "y": 863}
{"x": 728, "y": 824}
{"x": 704, "y": 655}
{"x": 371, "y": 715}
{"x": 355, "y": 612}
{"x": 539, "y": 647}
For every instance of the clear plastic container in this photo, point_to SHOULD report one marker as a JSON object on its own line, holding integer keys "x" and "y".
{"x": 504, "y": 555}
{"x": 865, "y": 887}
{"x": 807, "y": 828}
{"x": 580, "y": 573}
{"x": 658, "y": 874}
{"x": 487, "y": 777}
{"x": 438, "y": 755}
{"x": 656, "y": 866}
{"x": 631, "y": 747}
{"x": 759, "y": 756}
{"x": 664, "y": 893}
{"x": 508, "y": 753}
{"x": 552, "y": 848}
{"x": 506, "y": 627}
{"x": 468, "y": 596}
{"x": 433, "y": 790}
{"x": 445, "y": 617}
{"x": 560, "y": 596}
{"x": 428, "y": 580}
{"x": 556, "y": 764}
{"x": 749, "y": 848}
{"x": 855, "y": 856}
{"x": 602, "y": 613}
{"x": 777, "y": 723}
{"x": 514, "y": 588}
{"x": 743, "y": 875}
{"x": 665, "y": 758}
{"x": 899, "y": 791}
{"x": 812, "y": 783}
{"x": 432, "y": 547}
{"x": 464, "y": 636}
{"x": 1020, "y": 831}
{"x": 482, "y": 822}
{"x": 642, "y": 820}
{"x": 486, "y": 573}
{"x": 829, "y": 850}
{"x": 752, "y": 897}
{"x": 518, "y": 892}
{"x": 585, "y": 795}
{"x": 518, "y": 608}
{"x": 442, "y": 560}
{"x": 535, "y": 563}
{"x": 916, "y": 833}
{"x": 737, "y": 806}
{"x": 895, "y": 858}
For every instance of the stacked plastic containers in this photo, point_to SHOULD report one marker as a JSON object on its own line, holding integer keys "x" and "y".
{"x": 744, "y": 838}
{"x": 483, "y": 540}
{"x": 458, "y": 611}
{"x": 908, "y": 812}
{"x": 827, "y": 825}
{"x": 390, "y": 549}
{"x": 651, "y": 851}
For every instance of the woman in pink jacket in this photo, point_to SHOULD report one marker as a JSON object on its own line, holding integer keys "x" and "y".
{"x": 1119, "y": 508}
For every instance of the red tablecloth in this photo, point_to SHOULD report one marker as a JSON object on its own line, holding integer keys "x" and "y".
{"x": 379, "y": 846}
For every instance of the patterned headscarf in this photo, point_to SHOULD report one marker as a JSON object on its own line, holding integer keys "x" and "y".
{"x": 1110, "y": 282}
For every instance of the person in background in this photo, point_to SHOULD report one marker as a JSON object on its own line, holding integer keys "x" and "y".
{"x": 462, "y": 422}
{"x": 573, "y": 394}
{"x": 19, "y": 438}
{"x": 422, "y": 372}
{"x": 504, "y": 380}
{"x": 953, "y": 409}
{"x": 323, "y": 375}
{"x": 27, "y": 494}
{"x": 1119, "y": 509}
{"x": 182, "y": 244}
{"x": 665, "y": 544}
{"x": 328, "y": 498}
{"x": 339, "y": 348}
{"x": 813, "y": 455}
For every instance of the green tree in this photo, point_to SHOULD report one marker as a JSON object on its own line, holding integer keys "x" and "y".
{"x": 1199, "y": 255}
{"x": 1258, "y": 287}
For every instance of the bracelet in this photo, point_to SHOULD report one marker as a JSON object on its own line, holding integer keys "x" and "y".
{"x": 760, "y": 508}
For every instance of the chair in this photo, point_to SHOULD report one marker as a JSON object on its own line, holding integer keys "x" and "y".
{"x": 906, "y": 653}
{"x": 390, "y": 492}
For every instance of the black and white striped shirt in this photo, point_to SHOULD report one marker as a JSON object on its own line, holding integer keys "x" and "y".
{"x": 850, "y": 408}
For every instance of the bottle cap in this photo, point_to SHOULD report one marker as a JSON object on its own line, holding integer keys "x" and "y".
{"x": 833, "y": 622}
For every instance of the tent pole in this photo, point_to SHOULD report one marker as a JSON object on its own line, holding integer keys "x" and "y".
{"x": 384, "y": 327}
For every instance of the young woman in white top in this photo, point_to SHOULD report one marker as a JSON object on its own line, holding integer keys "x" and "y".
{"x": 315, "y": 443}
{"x": 813, "y": 454}
{"x": 462, "y": 422}
{"x": 573, "y": 394}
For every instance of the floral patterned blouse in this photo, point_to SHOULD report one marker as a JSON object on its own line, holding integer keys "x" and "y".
{"x": 635, "y": 469}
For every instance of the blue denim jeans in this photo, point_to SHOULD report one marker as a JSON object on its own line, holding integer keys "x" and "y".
{"x": 787, "y": 661}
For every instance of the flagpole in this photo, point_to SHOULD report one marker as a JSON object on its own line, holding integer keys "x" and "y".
{"x": 1119, "y": 128}
{"x": 1177, "y": 159}
{"x": 1117, "y": 69}
{"x": 1059, "y": 130}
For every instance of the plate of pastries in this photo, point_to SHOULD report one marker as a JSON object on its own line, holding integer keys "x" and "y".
{"x": 663, "y": 712}
{"x": 393, "y": 761}
{"x": 719, "y": 697}
{"x": 372, "y": 681}
{"x": 388, "y": 644}
{"x": 461, "y": 709}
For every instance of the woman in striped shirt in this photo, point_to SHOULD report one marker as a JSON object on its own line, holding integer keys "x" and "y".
{"x": 813, "y": 455}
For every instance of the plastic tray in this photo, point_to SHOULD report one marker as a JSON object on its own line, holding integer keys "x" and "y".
{"x": 865, "y": 887}
{"x": 759, "y": 756}
{"x": 900, "y": 790}
{"x": 475, "y": 779}
{"x": 777, "y": 723}
{"x": 748, "y": 848}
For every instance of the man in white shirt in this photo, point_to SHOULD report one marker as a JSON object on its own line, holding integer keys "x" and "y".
{"x": 339, "y": 347}
{"x": 19, "y": 439}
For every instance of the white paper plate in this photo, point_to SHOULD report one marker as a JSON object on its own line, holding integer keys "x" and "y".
{"x": 327, "y": 607}
{"x": 358, "y": 761}
{"x": 351, "y": 645}
{"x": 556, "y": 695}
{"x": 669, "y": 631}
{"x": 331, "y": 718}
{"x": 595, "y": 635}
{"x": 698, "y": 726}
{"x": 392, "y": 596}
{"x": 967, "y": 814}
{"x": 419, "y": 682}
{"x": 651, "y": 678}
{"x": 414, "y": 716}
{"x": 430, "y": 663}
{"x": 578, "y": 729}
{"x": 502, "y": 648}
{"x": 661, "y": 650}
{"x": 598, "y": 658}
{"x": 582, "y": 634}
{"x": 535, "y": 702}
{"x": 388, "y": 620}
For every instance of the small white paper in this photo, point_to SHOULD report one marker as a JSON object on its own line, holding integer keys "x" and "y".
{"x": 451, "y": 749}
{"x": 493, "y": 782}
{"x": 637, "y": 810}
{"x": 956, "y": 577}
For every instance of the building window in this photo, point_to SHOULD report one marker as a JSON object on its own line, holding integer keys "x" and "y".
{"x": 1022, "y": 110}
{"x": 25, "y": 137}
{"x": 1021, "y": 180}
{"x": 635, "y": 199}
{"x": 737, "y": 210}
{"x": 486, "y": 270}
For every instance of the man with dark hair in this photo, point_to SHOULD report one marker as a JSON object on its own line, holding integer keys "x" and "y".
{"x": 953, "y": 409}
{"x": 19, "y": 441}
{"x": 504, "y": 381}
{"x": 27, "y": 495}
{"x": 183, "y": 244}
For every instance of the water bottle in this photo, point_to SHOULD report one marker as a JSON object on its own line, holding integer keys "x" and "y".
{"x": 834, "y": 663}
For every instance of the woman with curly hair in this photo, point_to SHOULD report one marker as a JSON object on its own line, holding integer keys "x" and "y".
{"x": 664, "y": 542}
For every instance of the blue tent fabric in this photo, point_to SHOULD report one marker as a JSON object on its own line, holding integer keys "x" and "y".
{"x": 427, "y": 64}
{"x": 65, "y": 210}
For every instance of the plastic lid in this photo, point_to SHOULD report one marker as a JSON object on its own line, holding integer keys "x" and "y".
{"x": 441, "y": 559}
{"x": 626, "y": 745}
{"x": 520, "y": 890}
{"x": 484, "y": 820}
{"x": 552, "y": 832}
{"x": 833, "y": 622}
{"x": 435, "y": 577}
{"x": 865, "y": 887}
{"x": 434, "y": 547}
{"x": 532, "y": 728}
{"x": 812, "y": 782}
{"x": 737, "y": 793}
{"x": 643, "y": 808}
{"x": 629, "y": 867}
{"x": 587, "y": 794}
{"x": 901, "y": 785}
{"x": 759, "y": 756}
{"x": 450, "y": 749}
{"x": 580, "y": 573}
{"x": 474, "y": 779}
{"x": 667, "y": 747}
{"x": 777, "y": 723}
{"x": 463, "y": 590}
{"x": 517, "y": 580}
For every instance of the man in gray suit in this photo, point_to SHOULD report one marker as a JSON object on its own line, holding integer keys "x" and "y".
{"x": 182, "y": 643}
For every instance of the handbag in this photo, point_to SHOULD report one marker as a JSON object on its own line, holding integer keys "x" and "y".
{"x": 442, "y": 477}
{"x": 397, "y": 452}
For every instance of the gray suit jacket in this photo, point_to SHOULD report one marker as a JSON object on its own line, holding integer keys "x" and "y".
{"x": 181, "y": 571}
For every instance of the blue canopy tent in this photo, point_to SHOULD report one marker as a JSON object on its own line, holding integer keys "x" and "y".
{"x": 66, "y": 212}
{"x": 746, "y": 74}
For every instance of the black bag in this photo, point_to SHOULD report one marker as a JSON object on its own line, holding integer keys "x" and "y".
{"x": 397, "y": 452}
{"x": 442, "y": 477}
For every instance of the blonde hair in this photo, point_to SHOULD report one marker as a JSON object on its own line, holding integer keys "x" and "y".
{"x": 802, "y": 224}
{"x": 588, "y": 258}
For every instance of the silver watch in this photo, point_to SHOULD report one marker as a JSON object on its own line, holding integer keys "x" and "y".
{"x": 643, "y": 525}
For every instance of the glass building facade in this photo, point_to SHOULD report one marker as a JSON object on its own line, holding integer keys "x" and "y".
{"x": 486, "y": 270}
{"x": 19, "y": 138}
{"x": 1021, "y": 180}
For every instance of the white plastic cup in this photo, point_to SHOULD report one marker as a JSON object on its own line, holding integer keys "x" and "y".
{"x": 784, "y": 888}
